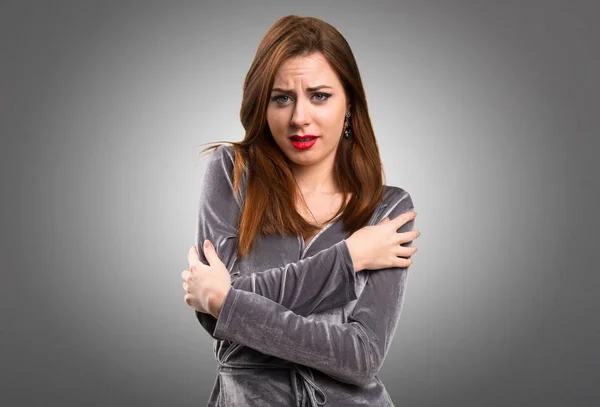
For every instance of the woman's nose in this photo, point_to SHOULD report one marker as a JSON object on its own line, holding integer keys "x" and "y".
{"x": 301, "y": 114}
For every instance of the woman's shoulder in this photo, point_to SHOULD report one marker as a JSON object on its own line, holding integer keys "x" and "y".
{"x": 221, "y": 161}
{"x": 223, "y": 158}
{"x": 223, "y": 151}
{"x": 393, "y": 193}
{"x": 396, "y": 199}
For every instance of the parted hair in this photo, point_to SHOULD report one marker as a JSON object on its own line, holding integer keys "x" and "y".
{"x": 271, "y": 191}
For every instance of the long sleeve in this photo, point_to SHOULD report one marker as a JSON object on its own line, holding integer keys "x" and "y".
{"x": 313, "y": 284}
{"x": 352, "y": 352}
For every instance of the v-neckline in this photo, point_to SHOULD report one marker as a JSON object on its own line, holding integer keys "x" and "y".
{"x": 304, "y": 246}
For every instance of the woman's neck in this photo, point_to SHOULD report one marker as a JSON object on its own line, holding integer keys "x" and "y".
{"x": 315, "y": 179}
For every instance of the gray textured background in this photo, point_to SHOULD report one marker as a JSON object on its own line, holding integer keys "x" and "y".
{"x": 486, "y": 112}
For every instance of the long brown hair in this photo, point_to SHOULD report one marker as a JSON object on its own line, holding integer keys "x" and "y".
{"x": 271, "y": 190}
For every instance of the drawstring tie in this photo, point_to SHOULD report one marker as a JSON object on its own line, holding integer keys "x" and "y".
{"x": 309, "y": 390}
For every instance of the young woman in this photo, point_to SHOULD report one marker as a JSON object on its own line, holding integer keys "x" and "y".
{"x": 302, "y": 258}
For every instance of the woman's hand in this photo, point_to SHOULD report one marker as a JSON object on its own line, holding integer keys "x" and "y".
{"x": 376, "y": 247}
{"x": 206, "y": 286}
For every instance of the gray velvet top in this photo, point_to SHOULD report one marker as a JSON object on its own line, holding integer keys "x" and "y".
{"x": 298, "y": 327}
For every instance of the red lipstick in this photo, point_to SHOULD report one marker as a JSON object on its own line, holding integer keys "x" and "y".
{"x": 303, "y": 142}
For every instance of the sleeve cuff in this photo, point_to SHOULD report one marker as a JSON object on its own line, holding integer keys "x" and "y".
{"x": 227, "y": 310}
{"x": 350, "y": 273}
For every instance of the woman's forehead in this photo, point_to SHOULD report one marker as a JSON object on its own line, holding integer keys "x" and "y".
{"x": 312, "y": 71}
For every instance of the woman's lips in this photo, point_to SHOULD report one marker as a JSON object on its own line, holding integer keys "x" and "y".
{"x": 303, "y": 143}
{"x": 299, "y": 137}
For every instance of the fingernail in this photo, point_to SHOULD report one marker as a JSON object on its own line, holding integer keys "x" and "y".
{"x": 207, "y": 244}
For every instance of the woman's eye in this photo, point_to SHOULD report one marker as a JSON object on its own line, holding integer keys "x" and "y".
{"x": 278, "y": 98}
{"x": 281, "y": 99}
{"x": 325, "y": 96}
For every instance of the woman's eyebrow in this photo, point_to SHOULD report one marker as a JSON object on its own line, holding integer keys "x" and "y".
{"x": 307, "y": 89}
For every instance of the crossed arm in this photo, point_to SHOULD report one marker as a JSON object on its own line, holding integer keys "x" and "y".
{"x": 310, "y": 285}
{"x": 267, "y": 311}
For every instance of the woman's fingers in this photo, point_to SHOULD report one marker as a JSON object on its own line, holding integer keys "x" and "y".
{"x": 396, "y": 262}
{"x": 185, "y": 275}
{"x": 402, "y": 262}
{"x": 408, "y": 236}
{"x": 404, "y": 218}
{"x": 193, "y": 256}
{"x": 402, "y": 251}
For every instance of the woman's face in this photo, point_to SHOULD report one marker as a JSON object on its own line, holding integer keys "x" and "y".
{"x": 296, "y": 109}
